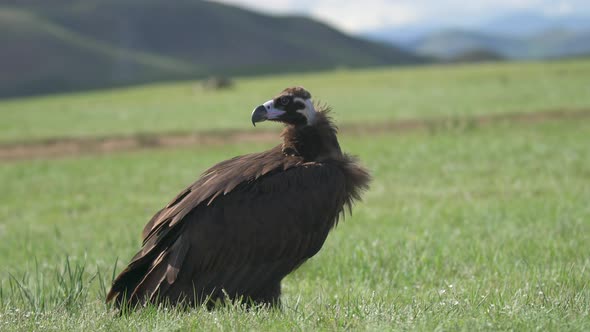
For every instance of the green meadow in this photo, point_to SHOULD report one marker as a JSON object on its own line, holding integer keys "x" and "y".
{"x": 477, "y": 227}
{"x": 359, "y": 96}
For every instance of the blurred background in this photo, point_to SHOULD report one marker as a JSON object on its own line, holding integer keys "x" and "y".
{"x": 68, "y": 45}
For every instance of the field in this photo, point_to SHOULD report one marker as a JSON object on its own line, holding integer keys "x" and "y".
{"x": 467, "y": 226}
{"x": 365, "y": 97}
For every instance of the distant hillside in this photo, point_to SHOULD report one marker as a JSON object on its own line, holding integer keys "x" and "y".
{"x": 517, "y": 35}
{"x": 476, "y": 55}
{"x": 548, "y": 44}
{"x": 448, "y": 44}
{"x": 39, "y": 56}
{"x": 559, "y": 42}
{"x": 526, "y": 24}
{"x": 62, "y": 45}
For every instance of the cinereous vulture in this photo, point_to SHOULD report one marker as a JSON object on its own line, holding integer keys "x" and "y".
{"x": 248, "y": 221}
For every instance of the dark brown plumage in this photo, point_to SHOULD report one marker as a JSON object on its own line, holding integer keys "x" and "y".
{"x": 248, "y": 221}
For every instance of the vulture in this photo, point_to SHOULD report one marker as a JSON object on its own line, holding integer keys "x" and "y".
{"x": 247, "y": 222}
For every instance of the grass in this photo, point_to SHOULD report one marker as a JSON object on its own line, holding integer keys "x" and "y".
{"x": 358, "y": 96}
{"x": 476, "y": 228}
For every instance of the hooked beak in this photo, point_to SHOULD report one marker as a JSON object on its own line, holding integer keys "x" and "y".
{"x": 266, "y": 111}
{"x": 260, "y": 114}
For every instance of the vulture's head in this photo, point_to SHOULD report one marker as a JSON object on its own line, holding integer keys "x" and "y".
{"x": 293, "y": 106}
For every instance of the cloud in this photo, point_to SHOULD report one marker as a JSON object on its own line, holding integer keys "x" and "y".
{"x": 359, "y": 15}
{"x": 347, "y": 15}
{"x": 353, "y": 16}
{"x": 272, "y": 6}
{"x": 560, "y": 8}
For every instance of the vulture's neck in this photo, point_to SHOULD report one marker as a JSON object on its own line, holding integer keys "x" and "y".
{"x": 315, "y": 142}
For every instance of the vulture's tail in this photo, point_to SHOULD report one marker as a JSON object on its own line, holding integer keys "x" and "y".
{"x": 150, "y": 274}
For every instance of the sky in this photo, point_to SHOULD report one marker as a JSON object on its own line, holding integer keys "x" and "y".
{"x": 365, "y": 15}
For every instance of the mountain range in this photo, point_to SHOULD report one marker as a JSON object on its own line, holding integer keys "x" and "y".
{"x": 66, "y": 45}
{"x": 520, "y": 35}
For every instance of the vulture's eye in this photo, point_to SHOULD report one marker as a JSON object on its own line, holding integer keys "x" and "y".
{"x": 284, "y": 101}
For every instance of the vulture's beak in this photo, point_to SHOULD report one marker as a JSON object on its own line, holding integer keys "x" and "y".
{"x": 266, "y": 111}
{"x": 259, "y": 114}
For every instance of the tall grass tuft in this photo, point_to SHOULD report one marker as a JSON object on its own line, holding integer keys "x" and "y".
{"x": 64, "y": 287}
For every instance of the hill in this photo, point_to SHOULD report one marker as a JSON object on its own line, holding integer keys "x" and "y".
{"x": 39, "y": 56}
{"x": 525, "y": 23}
{"x": 518, "y": 35}
{"x": 554, "y": 43}
{"x": 448, "y": 44}
{"x": 68, "y": 45}
{"x": 476, "y": 55}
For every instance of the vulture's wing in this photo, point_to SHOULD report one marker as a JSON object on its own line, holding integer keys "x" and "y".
{"x": 257, "y": 231}
{"x": 220, "y": 179}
